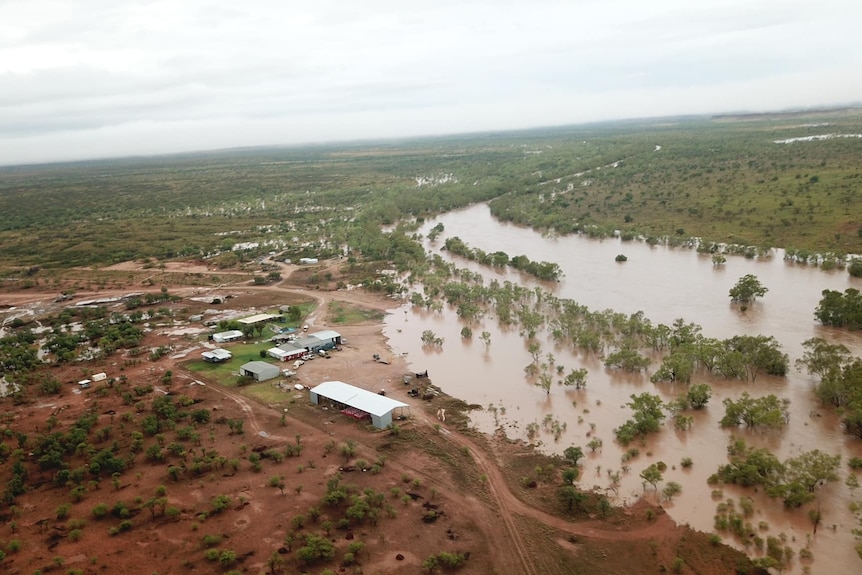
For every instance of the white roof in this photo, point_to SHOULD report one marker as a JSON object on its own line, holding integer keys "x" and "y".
{"x": 218, "y": 354}
{"x": 325, "y": 334}
{"x": 257, "y": 318}
{"x": 229, "y": 333}
{"x": 357, "y": 397}
{"x": 278, "y": 352}
{"x": 290, "y": 348}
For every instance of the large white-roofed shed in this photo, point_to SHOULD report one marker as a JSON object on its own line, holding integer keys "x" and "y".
{"x": 357, "y": 402}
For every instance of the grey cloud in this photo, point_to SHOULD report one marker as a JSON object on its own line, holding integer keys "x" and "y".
{"x": 180, "y": 73}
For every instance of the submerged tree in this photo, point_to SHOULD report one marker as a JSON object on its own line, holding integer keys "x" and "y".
{"x": 747, "y": 289}
{"x": 766, "y": 411}
{"x": 431, "y": 339}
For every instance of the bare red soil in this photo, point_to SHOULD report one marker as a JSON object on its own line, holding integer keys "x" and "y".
{"x": 444, "y": 488}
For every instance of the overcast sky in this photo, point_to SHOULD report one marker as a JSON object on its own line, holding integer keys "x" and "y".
{"x": 97, "y": 78}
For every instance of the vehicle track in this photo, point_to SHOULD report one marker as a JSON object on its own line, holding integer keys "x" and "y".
{"x": 509, "y": 504}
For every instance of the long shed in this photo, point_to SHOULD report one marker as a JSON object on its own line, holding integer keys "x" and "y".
{"x": 226, "y": 336}
{"x": 349, "y": 397}
{"x": 286, "y": 352}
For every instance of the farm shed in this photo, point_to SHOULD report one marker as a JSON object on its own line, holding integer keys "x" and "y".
{"x": 226, "y": 336}
{"x": 357, "y": 402}
{"x": 325, "y": 340}
{"x": 260, "y": 318}
{"x": 259, "y": 370}
{"x": 327, "y": 335}
{"x": 216, "y": 355}
{"x": 286, "y": 352}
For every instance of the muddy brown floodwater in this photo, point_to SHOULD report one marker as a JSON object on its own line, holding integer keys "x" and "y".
{"x": 666, "y": 284}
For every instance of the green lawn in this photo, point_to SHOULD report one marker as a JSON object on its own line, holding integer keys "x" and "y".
{"x": 225, "y": 373}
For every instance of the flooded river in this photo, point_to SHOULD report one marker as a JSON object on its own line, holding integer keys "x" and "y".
{"x": 666, "y": 284}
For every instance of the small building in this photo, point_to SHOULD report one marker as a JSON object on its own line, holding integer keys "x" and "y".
{"x": 216, "y": 355}
{"x": 85, "y": 383}
{"x": 227, "y": 336}
{"x": 286, "y": 352}
{"x": 357, "y": 402}
{"x": 307, "y": 261}
{"x": 259, "y": 370}
{"x": 99, "y": 376}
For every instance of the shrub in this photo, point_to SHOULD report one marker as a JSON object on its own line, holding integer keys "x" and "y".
{"x": 211, "y": 540}
{"x": 63, "y": 511}
{"x": 219, "y": 503}
{"x": 227, "y": 558}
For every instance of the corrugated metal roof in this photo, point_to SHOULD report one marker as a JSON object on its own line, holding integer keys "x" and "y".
{"x": 257, "y": 318}
{"x": 218, "y": 354}
{"x": 260, "y": 367}
{"x": 325, "y": 334}
{"x": 308, "y": 341}
{"x": 357, "y": 397}
{"x": 290, "y": 348}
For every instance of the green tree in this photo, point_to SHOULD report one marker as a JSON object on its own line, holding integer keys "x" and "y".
{"x": 671, "y": 490}
{"x": 573, "y": 454}
{"x": 803, "y": 475}
{"x": 750, "y": 466}
{"x": 570, "y": 475}
{"x": 576, "y": 378}
{"x": 766, "y": 411}
{"x": 316, "y": 548}
{"x": 647, "y": 417}
{"x": 571, "y": 497}
{"x": 628, "y": 359}
{"x": 698, "y": 395}
{"x": 747, "y": 289}
{"x": 651, "y": 475}
{"x": 430, "y": 338}
{"x": 840, "y": 310}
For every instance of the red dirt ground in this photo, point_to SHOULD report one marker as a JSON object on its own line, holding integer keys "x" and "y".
{"x": 450, "y": 468}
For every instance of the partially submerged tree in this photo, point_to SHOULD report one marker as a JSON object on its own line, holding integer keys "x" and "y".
{"x": 651, "y": 475}
{"x": 766, "y": 411}
{"x": 803, "y": 475}
{"x": 747, "y": 289}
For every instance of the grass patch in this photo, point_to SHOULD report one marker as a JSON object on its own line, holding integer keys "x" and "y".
{"x": 344, "y": 313}
{"x": 226, "y": 373}
{"x": 268, "y": 394}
